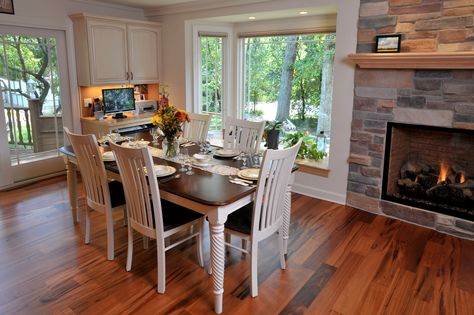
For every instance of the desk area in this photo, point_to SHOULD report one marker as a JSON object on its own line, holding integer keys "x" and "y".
{"x": 107, "y": 125}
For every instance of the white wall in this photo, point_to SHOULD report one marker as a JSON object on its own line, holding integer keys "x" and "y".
{"x": 53, "y": 14}
{"x": 174, "y": 75}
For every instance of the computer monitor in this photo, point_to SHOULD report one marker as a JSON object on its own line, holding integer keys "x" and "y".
{"x": 118, "y": 101}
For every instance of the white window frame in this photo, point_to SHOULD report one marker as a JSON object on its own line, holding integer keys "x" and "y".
{"x": 193, "y": 84}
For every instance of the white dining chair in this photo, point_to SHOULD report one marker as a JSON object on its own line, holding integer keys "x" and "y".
{"x": 262, "y": 218}
{"x": 198, "y": 127}
{"x": 243, "y": 135}
{"x": 153, "y": 217}
{"x": 102, "y": 195}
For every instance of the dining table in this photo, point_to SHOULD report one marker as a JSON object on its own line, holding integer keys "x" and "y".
{"x": 211, "y": 194}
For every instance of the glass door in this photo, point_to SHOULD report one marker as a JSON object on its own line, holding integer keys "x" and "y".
{"x": 34, "y": 88}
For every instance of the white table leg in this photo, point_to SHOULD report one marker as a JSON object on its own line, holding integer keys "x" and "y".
{"x": 71, "y": 173}
{"x": 217, "y": 260}
{"x": 286, "y": 219}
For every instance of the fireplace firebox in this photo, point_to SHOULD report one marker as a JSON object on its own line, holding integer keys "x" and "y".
{"x": 430, "y": 168}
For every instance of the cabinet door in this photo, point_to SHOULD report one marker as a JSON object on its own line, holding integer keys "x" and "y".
{"x": 107, "y": 52}
{"x": 144, "y": 53}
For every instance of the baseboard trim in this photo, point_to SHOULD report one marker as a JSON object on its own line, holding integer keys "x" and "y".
{"x": 31, "y": 181}
{"x": 319, "y": 193}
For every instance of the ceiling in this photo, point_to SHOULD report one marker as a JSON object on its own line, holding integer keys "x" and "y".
{"x": 147, "y": 4}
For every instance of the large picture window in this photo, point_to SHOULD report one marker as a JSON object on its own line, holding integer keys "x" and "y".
{"x": 290, "y": 79}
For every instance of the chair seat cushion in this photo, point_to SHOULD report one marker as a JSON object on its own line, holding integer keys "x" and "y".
{"x": 117, "y": 196}
{"x": 175, "y": 215}
{"x": 241, "y": 220}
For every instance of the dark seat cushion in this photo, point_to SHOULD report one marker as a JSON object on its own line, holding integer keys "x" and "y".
{"x": 241, "y": 220}
{"x": 117, "y": 196}
{"x": 175, "y": 215}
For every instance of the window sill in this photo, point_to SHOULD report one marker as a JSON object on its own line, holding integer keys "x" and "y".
{"x": 318, "y": 168}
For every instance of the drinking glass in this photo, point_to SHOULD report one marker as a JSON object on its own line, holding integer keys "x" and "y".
{"x": 190, "y": 167}
{"x": 154, "y": 134}
{"x": 244, "y": 158}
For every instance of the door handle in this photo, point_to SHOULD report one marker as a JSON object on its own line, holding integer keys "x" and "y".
{"x": 131, "y": 74}
{"x": 127, "y": 75}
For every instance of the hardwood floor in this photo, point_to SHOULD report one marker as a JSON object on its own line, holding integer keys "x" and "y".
{"x": 340, "y": 261}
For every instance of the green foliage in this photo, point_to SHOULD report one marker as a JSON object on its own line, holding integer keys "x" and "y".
{"x": 211, "y": 74}
{"x": 273, "y": 125}
{"x": 309, "y": 148}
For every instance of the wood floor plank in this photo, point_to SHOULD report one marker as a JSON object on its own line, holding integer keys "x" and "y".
{"x": 341, "y": 261}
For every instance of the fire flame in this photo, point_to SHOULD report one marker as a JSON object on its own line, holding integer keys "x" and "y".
{"x": 462, "y": 179}
{"x": 443, "y": 172}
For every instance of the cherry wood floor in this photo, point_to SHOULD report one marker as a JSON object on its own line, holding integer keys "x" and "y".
{"x": 340, "y": 261}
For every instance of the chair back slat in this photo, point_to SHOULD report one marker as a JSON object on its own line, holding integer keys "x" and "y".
{"x": 197, "y": 129}
{"x": 243, "y": 135}
{"x": 274, "y": 176}
{"x": 91, "y": 165}
{"x": 139, "y": 185}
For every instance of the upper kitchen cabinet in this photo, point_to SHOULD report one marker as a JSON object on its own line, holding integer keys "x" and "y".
{"x": 116, "y": 51}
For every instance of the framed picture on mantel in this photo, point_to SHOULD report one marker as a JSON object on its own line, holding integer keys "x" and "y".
{"x": 6, "y": 6}
{"x": 388, "y": 43}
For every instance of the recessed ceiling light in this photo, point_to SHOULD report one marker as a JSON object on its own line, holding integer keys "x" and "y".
{"x": 303, "y": 12}
{"x": 251, "y": 17}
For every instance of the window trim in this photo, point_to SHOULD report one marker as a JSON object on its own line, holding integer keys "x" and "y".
{"x": 226, "y": 33}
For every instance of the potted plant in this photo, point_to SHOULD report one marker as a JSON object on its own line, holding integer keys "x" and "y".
{"x": 272, "y": 133}
{"x": 309, "y": 147}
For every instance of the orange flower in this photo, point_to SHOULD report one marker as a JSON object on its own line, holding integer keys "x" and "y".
{"x": 181, "y": 115}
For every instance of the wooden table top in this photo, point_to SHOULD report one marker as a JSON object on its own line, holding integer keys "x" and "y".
{"x": 203, "y": 187}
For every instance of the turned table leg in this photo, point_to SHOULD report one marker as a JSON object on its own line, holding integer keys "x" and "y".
{"x": 71, "y": 173}
{"x": 217, "y": 261}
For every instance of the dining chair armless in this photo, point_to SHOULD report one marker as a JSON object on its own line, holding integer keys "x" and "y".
{"x": 153, "y": 217}
{"x": 198, "y": 127}
{"x": 243, "y": 135}
{"x": 102, "y": 195}
{"x": 262, "y": 218}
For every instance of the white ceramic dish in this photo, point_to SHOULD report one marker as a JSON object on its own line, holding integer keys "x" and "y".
{"x": 202, "y": 157}
{"x": 136, "y": 144}
{"x": 249, "y": 173}
{"x": 108, "y": 156}
{"x": 201, "y": 163}
{"x": 226, "y": 152}
{"x": 162, "y": 170}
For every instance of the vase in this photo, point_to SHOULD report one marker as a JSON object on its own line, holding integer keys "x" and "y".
{"x": 273, "y": 137}
{"x": 170, "y": 147}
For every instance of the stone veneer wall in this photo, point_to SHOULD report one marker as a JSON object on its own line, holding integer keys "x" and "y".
{"x": 428, "y": 97}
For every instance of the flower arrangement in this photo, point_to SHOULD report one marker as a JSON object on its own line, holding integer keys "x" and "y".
{"x": 169, "y": 119}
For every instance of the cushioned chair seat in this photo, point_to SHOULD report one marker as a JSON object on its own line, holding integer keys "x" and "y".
{"x": 175, "y": 215}
{"x": 117, "y": 196}
{"x": 241, "y": 220}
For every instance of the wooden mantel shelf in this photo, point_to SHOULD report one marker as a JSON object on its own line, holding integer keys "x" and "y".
{"x": 428, "y": 60}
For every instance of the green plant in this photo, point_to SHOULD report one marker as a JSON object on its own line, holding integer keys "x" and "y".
{"x": 273, "y": 125}
{"x": 309, "y": 148}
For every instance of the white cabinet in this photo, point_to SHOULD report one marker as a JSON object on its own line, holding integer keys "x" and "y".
{"x": 112, "y": 51}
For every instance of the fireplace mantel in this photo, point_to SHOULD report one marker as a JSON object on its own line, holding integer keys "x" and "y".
{"x": 424, "y": 60}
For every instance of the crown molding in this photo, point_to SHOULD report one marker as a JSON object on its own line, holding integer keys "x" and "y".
{"x": 111, "y": 5}
{"x": 198, "y": 6}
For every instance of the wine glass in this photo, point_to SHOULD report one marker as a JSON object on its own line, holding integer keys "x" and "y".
{"x": 182, "y": 160}
{"x": 154, "y": 134}
{"x": 244, "y": 158}
{"x": 190, "y": 167}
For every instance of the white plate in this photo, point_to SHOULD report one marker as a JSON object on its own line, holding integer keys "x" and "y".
{"x": 162, "y": 170}
{"x": 182, "y": 140}
{"x": 108, "y": 156}
{"x": 135, "y": 144}
{"x": 201, "y": 163}
{"x": 249, "y": 173}
{"x": 226, "y": 152}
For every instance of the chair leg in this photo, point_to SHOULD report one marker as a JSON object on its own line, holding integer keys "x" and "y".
{"x": 125, "y": 216}
{"x": 129, "y": 248}
{"x": 199, "y": 243}
{"x": 227, "y": 239}
{"x": 281, "y": 248}
{"x": 110, "y": 235}
{"x": 161, "y": 269}
{"x": 244, "y": 245}
{"x": 254, "y": 267}
{"x": 145, "y": 242}
{"x": 88, "y": 226}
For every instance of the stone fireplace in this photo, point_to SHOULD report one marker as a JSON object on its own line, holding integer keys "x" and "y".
{"x": 430, "y": 168}
{"x": 439, "y": 100}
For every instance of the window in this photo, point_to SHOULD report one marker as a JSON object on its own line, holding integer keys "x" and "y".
{"x": 211, "y": 80}
{"x": 290, "y": 79}
{"x": 29, "y": 82}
